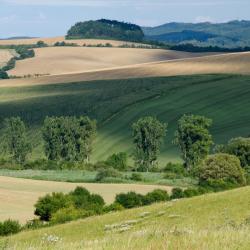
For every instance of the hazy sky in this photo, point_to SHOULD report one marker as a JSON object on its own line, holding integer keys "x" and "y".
{"x": 54, "y": 17}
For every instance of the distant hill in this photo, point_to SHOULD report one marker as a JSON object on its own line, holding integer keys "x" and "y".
{"x": 17, "y": 37}
{"x": 106, "y": 29}
{"x": 231, "y": 34}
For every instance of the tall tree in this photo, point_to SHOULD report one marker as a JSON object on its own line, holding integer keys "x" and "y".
{"x": 148, "y": 134}
{"x": 193, "y": 138}
{"x": 68, "y": 138}
{"x": 16, "y": 139}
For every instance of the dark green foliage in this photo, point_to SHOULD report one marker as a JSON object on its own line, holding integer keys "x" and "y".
{"x": 107, "y": 172}
{"x": 50, "y": 204}
{"x": 129, "y": 200}
{"x": 175, "y": 170}
{"x": 41, "y": 44}
{"x": 113, "y": 207}
{"x": 157, "y": 195}
{"x": 3, "y": 74}
{"x": 118, "y": 161}
{"x": 177, "y": 193}
{"x": 10, "y": 64}
{"x": 106, "y": 29}
{"x": 193, "y": 138}
{"x": 221, "y": 171}
{"x": 239, "y": 147}
{"x": 190, "y": 192}
{"x": 16, "y": 140}
{"x": 68, "y": 138}
{"x": 148, "y": 134}
{"x": 64, "y": 44}
{"x": 136, "y": 177}
{"x": 9, "y": 227}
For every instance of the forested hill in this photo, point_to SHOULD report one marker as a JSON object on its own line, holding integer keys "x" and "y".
{"x": 230, "y": 34}
{"x": 106, "y": 29}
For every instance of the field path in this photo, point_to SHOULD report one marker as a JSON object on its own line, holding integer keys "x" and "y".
{"x": 18, "y": 196}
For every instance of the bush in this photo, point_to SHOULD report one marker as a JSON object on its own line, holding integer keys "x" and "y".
{"x": 118, "y": 161}
{"x": 176, "y": 168}
{"x": 108, "y": 172}
{"x": 67, "y": 214}
{"x": 9, "y": 227}
{"x": 136, "y": 177}
{"x": 50, "y": 204}
{"x": 221, "y": 171}
{"x": 190, "y": 192}
{"x": 177, "y": 193}
{"x": 129, "y": 200}
{"x": 156, "y": 196}
{"x": 113, "y": 207}
{"x": 41, "y": 44}
{"x": 3, "y": 75}
{"x": 35, "y": 224}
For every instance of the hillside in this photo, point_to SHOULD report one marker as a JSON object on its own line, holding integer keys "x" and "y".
{"x": 231, "y": 34}
{"x": 116, "y": 104}
{"x": 5, "y": 56}
{"x": 231, "y": 63}
{"x": 214, "y": 221}
{"x": 107, "y": 29}
{"x": 63, "y": 60}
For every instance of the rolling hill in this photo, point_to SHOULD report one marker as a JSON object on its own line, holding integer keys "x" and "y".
{"x": 116, "y": 104}
{"x": 213, "y": 221}
{"x": 5, "y": 56}
{"x": 65, "y": 60}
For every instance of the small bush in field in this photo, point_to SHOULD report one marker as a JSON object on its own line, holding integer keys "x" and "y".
{"x": 129, "y": 200}
{"x": 157, "y": 195}
{"x": 67, "y": 214}
{"x": 9, "y": 227}
{"x": 177, "y": 193}
{"x": 118, "y": 161}
{"x": 108, "y": 172}
{"x": 136, "y": 177}
{"x": 190, "y": 192}
{"x": 113, "y": 207}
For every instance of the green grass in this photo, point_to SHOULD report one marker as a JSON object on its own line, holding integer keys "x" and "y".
{"x": 213, "y": 221}
{"x": 82, "y": 176}
{"x": 116, "y": 104}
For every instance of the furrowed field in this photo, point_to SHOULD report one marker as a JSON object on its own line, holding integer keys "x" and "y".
{"x": 116, "y": 104}
{"x": 211, "y": 221}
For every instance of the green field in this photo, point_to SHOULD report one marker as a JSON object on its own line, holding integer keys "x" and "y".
{"x": 116, "y": 104}
{"x": 213, "y": 221}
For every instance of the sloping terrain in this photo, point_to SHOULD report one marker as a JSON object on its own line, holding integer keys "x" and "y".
{"x": 116, "y": 104}
{"x": 5, "y": 56}
{"x": 213, "y": 221}
{"x": 233, "y": 63}
{"x": 18, "y": 196}
{"x": 65, "y": 60}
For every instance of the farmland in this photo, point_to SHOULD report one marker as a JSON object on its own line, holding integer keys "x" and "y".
{"x": 116, "y": 104}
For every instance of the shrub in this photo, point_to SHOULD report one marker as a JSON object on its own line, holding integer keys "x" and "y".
{"x": 113, "y": 207}
{"x": 129, "y": 200}
{"x": 118, "y": 161}
{"x": 190, "y": 192}
{"x": 50, "y": 204}
{"x": 3, "y": 75}
{"x": 136, "y": 177}
{"x": 177, "y": 193}
{"x": 35, "y": 224}
{"x": 67, "y": 214}
{"x": 156, "y": 196}
{"x": 221, "y": 171}
{"x": 108, "y": 172}
{"x": 175, "y": 168}
{"x": 9, "y": 227}
{"x": 41, "y": 44}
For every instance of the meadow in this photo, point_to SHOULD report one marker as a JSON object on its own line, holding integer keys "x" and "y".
{"x": 116, "y": 104}
{"x": 211, "y": 221}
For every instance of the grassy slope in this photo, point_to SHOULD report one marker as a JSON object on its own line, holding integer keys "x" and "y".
{"x": 214, "y": 221}
{"x": 116, "y": 104}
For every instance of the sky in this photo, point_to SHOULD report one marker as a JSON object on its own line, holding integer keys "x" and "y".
{"x": 48, "y": 18}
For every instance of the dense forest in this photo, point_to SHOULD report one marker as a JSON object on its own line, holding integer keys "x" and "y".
{"x": 106, "y": 29}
